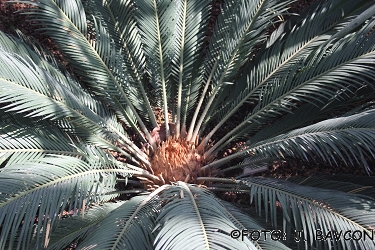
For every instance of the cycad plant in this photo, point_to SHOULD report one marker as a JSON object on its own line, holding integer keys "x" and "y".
{"x": 152, "y": 102}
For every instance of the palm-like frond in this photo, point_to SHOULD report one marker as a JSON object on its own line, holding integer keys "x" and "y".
{"x": 309, "y": 113}
{"x": 231, "y": 48}
{"x": 350, "y": 138}
{"x": 189, "y": 213}
{"x": 280, "y": 62}
{"x": 44, "y": 96}
{"x": 310, "y": 209}
{"x": 45, "y": 188}
{"x": 118, "y": 19}
{"x": 130, "y": 226}
{"x": 155, "y": 19}
{"x": 76, "y": 227}
{"x": 189, "y": 35}
{"x": 21, "y": 141}
{"x": 98, "y": 63}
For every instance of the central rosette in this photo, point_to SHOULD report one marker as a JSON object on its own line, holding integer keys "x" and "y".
{"x": 176, "y": 160}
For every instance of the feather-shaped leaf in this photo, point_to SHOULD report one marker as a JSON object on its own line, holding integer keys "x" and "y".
{"x": 312, "y": 80}
{"x": 314, "y": 211}
{"x": 128, "y": 227}
{"x": 195, "y": 213}
{"x": 44, "y": 188}
{"x": 349, "y": 138}
{"x": 43, "y": 96}
{"x": 188, "y": 35}
{"x": 156, "y": 22}
{"x": 98, "y": 63}
{"x": 79, "y": 226}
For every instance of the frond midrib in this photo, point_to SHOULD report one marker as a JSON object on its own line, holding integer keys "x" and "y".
{"x": 108, "y": 71}
{"x": 196, "y": 209}
{"x": 181, "y": 70}
{"x": 140, "y": 154}
{"x": 235, "y": 53}
{"x": 125, "y": 46}
{"x": 307, "y": 133}
{"x": 163, "y": 80}
{"x": 234, "y": 109}
{"x": 260, "y": 144}
{"x": 312, "y": 203}
{"x": 134, "y": 214}
{"x": 247, "y": 120}
{"x": 48, "y": 151}
{"x": 71, "y": 176}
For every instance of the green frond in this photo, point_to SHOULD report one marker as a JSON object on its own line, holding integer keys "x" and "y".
{"x": 312, "y": 80}
{"x": 79, "y": 226}
{"x": 241, "y": 26}
{"x": 44, "y": 188}
{"x": 43, "y": 96}
{"x": 189, "y": 34}
{"x": 128, "y": 227}
{"x": 22, "y": 140}
{"x": 156, "y": 24}
{"x": 292, "y": 41}
{"x": 195, "y": 213}
{"x": 118, "y": 18}
{"x": 310, "y": 210}
{"x": 245, "y": 222}
{"x": 309, "y": 113}
{"x": 95, "y": 60}
{"x": 349, "y": 138}
{"x": 27, "y": 46}
{"x": 73, "y": 10}
{"x": 363, "y": 185}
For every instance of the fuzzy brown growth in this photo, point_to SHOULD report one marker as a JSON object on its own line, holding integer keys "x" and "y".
{"x": 174, "y": 160}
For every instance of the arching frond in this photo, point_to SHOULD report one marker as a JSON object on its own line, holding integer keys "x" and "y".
{"x": 43, "y": 96}
{"x": 189, "y": 34}
{"x": 79, "y": 226}
{"x": 313, "y": 210}
{"x": 189, "y": 212}
{"x": 267, "y": 71}
{"x": 21, "y": 141}
{"x": 44, "y": 188}
{"x": 156, "y": 24}
{"x": 118, "y": 18}
{"x": 130, "y": 226}
{"x": 240, "y": 27}
{"x": 309, "y": 113}
{"x": 312, "y": 80}
{"x": 349, "y": 138}
{"x": 96, "y": 61}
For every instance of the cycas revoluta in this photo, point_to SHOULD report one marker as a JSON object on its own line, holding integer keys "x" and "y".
{"x": 145, "y": 87}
